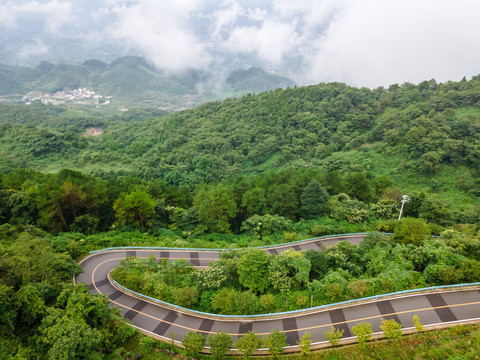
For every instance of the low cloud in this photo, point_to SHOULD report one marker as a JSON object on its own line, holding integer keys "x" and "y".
{"x": 55, "y": 13}
{"x": 271, "y": 42}
{"x": 378, "y": 42}
{"x": 162, "y": 31}
{"x": 35, "y": 49}
{"x": 363, "y": 43}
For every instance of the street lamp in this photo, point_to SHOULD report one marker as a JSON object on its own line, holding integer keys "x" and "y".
{"x": 405, "y": 199}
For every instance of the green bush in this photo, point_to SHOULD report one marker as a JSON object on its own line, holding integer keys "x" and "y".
{"x": 363, "y": 332}
{"x": 193, "y": 343}
{"x": 391, "y": 329}
{"x": 333, "y": 336}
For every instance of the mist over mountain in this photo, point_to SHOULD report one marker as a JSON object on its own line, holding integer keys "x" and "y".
{"x": 128, "y": 81}
{"x": 367, "y": 43}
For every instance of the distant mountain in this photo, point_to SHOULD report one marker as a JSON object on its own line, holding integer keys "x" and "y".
{"x": 133, "y": 81}
{"x": 257, "y": 80}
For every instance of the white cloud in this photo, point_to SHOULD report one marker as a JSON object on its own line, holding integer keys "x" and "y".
{"x": 225, "y": 17}
{"x": 378, "y": 42}
{"x": 161, "y": 29}
{"x": 271, "y": 41}
{"x": 361, "y": 42}
{"x": 282, "y": 28}
{"x": 55, "y": 13}
{"x": 35, "y": 49}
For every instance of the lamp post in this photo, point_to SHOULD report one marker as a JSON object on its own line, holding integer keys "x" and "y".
{"x": 405, "y": 199}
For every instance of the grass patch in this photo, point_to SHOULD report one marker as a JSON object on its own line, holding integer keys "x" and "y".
{"x": 459, "y": 342}
{"x": 456, "y": 343}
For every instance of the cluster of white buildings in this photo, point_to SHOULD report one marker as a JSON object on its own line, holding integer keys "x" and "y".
{"x": 82, "y": 93}
{"x": 77, "y": 95}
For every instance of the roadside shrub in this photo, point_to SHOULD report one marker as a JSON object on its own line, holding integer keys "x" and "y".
{"x": 333, "y": 336}
{"x": 391, "y": 329}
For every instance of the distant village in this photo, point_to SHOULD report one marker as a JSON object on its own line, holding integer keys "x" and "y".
{"x": 78, "y": 96}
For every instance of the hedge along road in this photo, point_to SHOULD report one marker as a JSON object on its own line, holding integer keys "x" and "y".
{"x": 436, "y": 309}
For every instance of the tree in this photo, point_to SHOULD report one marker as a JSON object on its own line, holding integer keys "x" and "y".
{"x": 30, "y": 304}
{"x": 68, "y": 338}
{"x": 391, "y": 329}
{"x": 252, "y": 269}
{"x": 283, "y": 201}
{"x": 246, "y": 303}
{"x": 193, "y": 343}
{"x": 224, "y": 300}
{"x": 313, "y": 201}
{"x": 263, "y": 225}
{"x": 134, "y": 208}
{"x": 333, "y": 336}
{"x": 301, "y": 300}
{"x": 74, "y": 195}
{"x": 266, "y": 301}
{"x": 147, "y": 343}
{"x": 125, "y": 332}
{"x": 219, "y": 343}
{"x": 319, "y": 263}
{"x": 304, "y": 343}
{"x": 363, "y": 331}
{"x": 275, "y": 342}
{"x": 186, "y": 296}
{"x": 49, "y": 203}
{"x": 411, "y": 231}
{"x": 435, "y": 209}
{"x": 254, "y": 201}
{"x": 248, "y": 344}
{"x": 418, "y": 324}
{"x": 357, "y": 185}
{"x": 430, "y": 162}
{"x": 341, "y": 206}
{"x": 216, "y": 206}
{"x": 358, "y": 287}
{"x": 8, "y": 309}
{"x": 288, "y": 269}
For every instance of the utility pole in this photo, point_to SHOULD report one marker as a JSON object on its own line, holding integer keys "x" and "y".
{"x": 405, "y": 199}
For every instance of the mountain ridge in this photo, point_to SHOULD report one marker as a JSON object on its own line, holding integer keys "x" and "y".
{"x": 133, "y": 81}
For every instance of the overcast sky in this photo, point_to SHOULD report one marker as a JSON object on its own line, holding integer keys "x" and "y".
{"x": 360, "y": 42}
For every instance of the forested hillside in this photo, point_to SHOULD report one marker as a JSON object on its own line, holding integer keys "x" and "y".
{"x": 280, "y": 166}
{"x": 130, "y": 81}
{"x": 422, "y": 136}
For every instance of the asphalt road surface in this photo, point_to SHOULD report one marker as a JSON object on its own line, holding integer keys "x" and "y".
{"x": 432, "y": 308}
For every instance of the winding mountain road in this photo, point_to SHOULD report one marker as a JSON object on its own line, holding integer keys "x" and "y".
{"x": 433, "y": 308}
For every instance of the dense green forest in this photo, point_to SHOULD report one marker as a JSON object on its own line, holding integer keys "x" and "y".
{"x": 44, "y": 316}
{"x": 250, "y": 281}
{"x": 280, "y": 166}
{"x": 427, "y": 130}
{"x": 252, "y": 156}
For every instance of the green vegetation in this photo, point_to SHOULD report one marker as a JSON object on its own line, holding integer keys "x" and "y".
{"x": 220, "y": 344}
{"x": 276, "y": 167}
{"x": 248, "y": 344}
{"x": 255, "y": 80}
{"x": 304, "y": 343}
{"x": 132, "y": 81}
{"x": 459, "y": 342}
{"x": 418, "y": 324}
{"x": 38, "y": 301}
{"x": 248, "y": 281}
{"x": 391, "y": 329}
{"x": 420, "y": 138}
{"x": 275, "y": 342}
{"x": 333, "y": 336}
{"x": 193, "y": 343}
{"x": 363, "y": 332}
